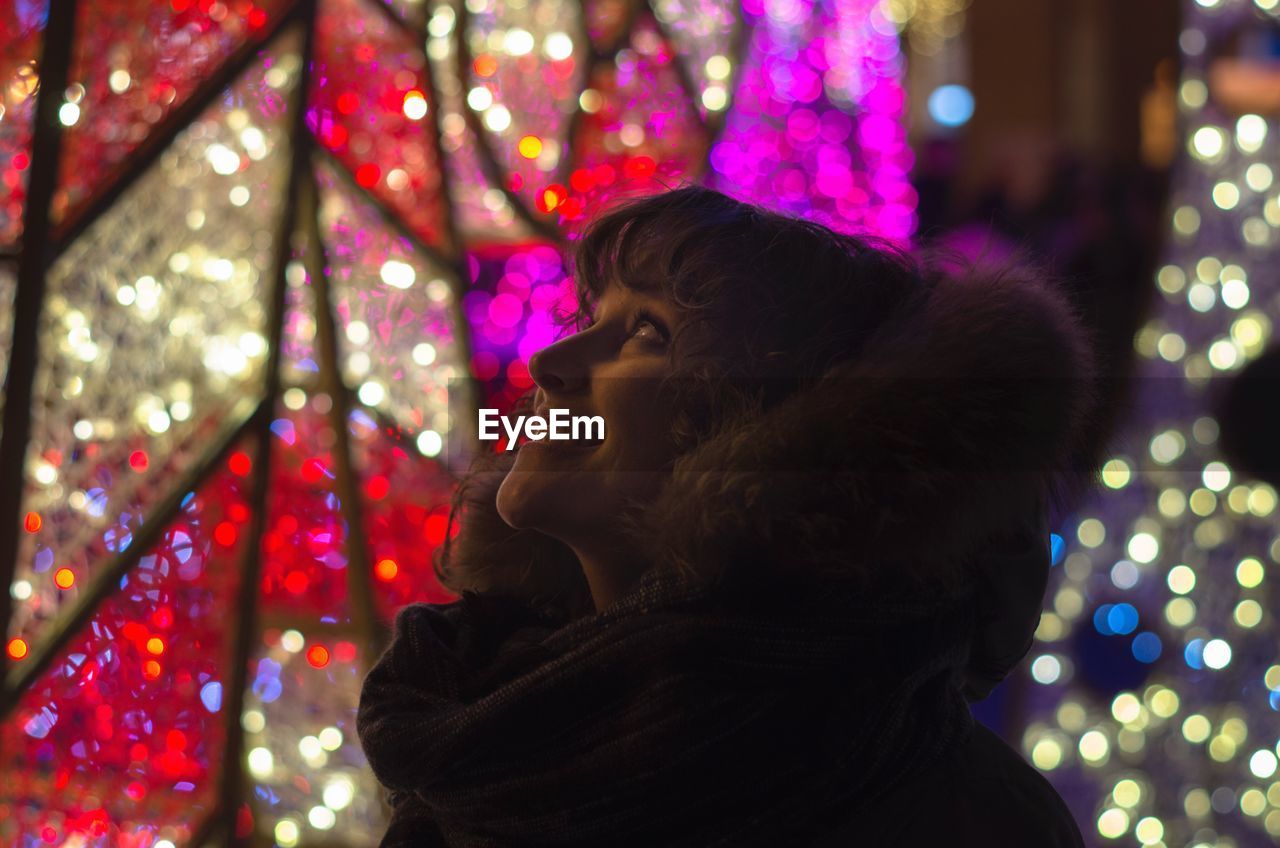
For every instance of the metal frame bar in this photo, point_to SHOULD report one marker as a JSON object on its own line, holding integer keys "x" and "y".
{"x": 232, "y": 783}
{"x": 359, "y": 571}
{"x": 28, "y": 301}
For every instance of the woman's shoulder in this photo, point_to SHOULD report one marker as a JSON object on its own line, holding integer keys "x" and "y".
{"x": 984, "y": 794}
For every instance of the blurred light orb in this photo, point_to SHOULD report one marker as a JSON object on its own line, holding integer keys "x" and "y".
{"x": 951, "y": 105}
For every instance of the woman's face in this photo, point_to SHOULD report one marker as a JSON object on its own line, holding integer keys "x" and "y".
{"x": 574, "y": 491}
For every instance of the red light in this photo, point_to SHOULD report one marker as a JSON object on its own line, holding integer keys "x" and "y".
{"x": 257, "y": 18}
{"x": 386, "y": 569}
{"x": 32, "y": 523}
{"x": 64, "y": 577}
{"x": 312, "y": 470}
{"x": 162, "y": 618}
{"x": 135, "y": 790}
{"x": 377, "y": 487}
{"x": 318, "y": 656}
{"x": 239, "y": 464}
{"x": 296, "y": 582}
{"x": 17, "y": 648}
{"x": 582, "y": 180}
{"x": 238, "y": 513}
{"x": 435, "y": 528}
{"x": 344, "y": 652}
{"x": 368, "y": 174}
{"x": 225, "y": 534}
{"x": 640, "y": 166}
{"x": 138, "y": 752}
{"x": 138, "y": 461}
{"x": 151, "y": 669}
{"x": 175, "y": 740}
{"x": 348, "y": 103}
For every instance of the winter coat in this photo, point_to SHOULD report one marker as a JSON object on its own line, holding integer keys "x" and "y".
{"x": 926, "y": 464}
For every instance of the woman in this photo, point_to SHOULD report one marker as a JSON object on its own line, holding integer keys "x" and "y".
{"x": 753, "y": 614}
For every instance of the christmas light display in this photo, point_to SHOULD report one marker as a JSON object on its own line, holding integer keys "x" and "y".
{"x": 1156, "y": 675}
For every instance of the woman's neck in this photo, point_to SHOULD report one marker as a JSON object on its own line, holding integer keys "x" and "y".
{"x": 609, "y": 570}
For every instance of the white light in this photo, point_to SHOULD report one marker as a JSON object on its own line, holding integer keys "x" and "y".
{"x": 261, "y": 763}
{"x": 286, "y": 833}
{"x": 518, "y": 42}
{"x": 358, "y": 331}
{"x": 1263, "y": 764}
{"x": 1217, "y": 653}
{"x": 163, "y": 843}
{"x": 479, "y": 98}
{"x": 415, "y": 106}
{"x": 372, "y": 393}
{"x": 1046, "y": 669}
{"x": 498, "y": 118}
{"x": 558, "y": 46}
{"x": 82, "y": 430}
{"x": 397, "y": 274}
{"x": 339, "y": 792}
{"x": 310, "y": 747}
{"x": 253, "y": 721}
{"x": 1235, "y": 293}
{"x": 330, "y": 738}
{"x": 238, "y": 196}
{"x": 1217, "y": 476}
{"x": 424, "y": 353}
{"x": 158, "y": 421}
{"x": 321, "y": 818}
{"x": 252, "y": 137}
{"x": 119, "y": 81}
{"x": 292, "y": 641}
{"x": 430, "y": 443}
{"x": 1251, "y": 132}
{"x": 20, "y": 589}
{"x": 1208, "y": 142}
{"x": 69, "y": 114}
{"x": 715, "y": 98}
{"x": 1143, "y": 547}
{"x": 223, "y": 159}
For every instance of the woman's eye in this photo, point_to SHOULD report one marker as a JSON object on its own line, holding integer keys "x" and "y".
{"x": 647, "y": 329}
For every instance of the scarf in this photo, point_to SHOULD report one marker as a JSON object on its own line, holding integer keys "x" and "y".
{"x": 683, "y": 714}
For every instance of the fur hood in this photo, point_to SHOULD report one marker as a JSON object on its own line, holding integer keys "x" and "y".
{"x": 941, "y": 446}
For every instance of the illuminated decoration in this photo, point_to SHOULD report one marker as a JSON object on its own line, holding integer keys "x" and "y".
{"x": 285, "y": 246}
{"x": 1155, "y": 677}
{"x": 929, "y": 24}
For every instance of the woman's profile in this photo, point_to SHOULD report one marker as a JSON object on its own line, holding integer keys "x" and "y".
{"x": 756, "y": 612}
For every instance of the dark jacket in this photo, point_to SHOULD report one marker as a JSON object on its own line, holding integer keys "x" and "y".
{"x": 928, "y": 460}
{"x": 984, "y": 795}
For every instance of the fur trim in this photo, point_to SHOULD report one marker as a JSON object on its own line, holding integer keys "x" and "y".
{"x": 957, "y": 424}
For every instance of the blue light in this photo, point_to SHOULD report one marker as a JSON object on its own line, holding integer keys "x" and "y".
{"x": 1122, "y": 619}
{"x": 951, "y": 105}
{"x": 211, "y": 696}
{"x": 283, "y": 428}
{"x": 1194, "y": 653}
{"x": 1101, "y": 620}
{"x": 1057, "y": 547}
{"x": 1146, "y": 647}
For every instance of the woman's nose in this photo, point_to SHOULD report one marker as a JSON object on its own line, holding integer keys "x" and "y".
{"x": 558, "y": 367}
